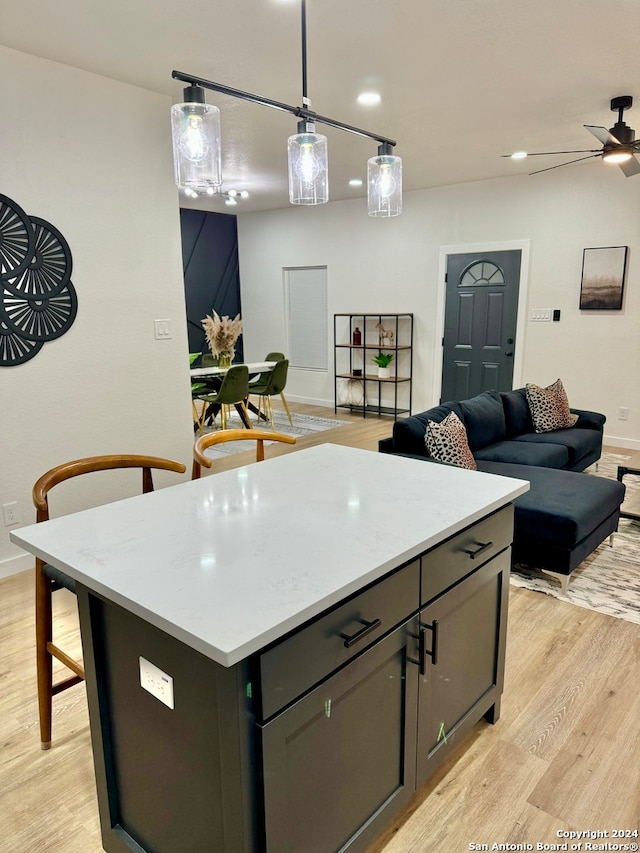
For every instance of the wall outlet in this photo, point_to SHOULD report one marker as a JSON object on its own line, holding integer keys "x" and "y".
{"x": 623, "y": 413}
{"x": 10, "y": 513}
{"x": 156, "y": 682}
{"x": 162, "y": 330}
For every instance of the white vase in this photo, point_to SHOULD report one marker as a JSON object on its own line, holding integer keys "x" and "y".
{"x": 384, "y": 372}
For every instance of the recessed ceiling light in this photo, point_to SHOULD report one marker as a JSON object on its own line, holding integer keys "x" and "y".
{"x": 369, "y": 99}
{"x": 355, "y": 182}
{"x": 518, "y": 155}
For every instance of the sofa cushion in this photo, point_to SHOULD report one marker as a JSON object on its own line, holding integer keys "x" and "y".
{"x": 447, "y": 442}
{"x": 544, "y": 454}
{"x": 408, "y": 433}
{"x": 517, "y": 414}
{"x": 561, "y": 507}
{"x": 483, "y": 418}
{"x": 549, "y": 407}
{"x": 577, "y": 442}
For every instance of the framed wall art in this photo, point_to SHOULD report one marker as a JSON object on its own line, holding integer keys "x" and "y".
{"x": 38, "y": 302}
{"x": 603, "y": 274}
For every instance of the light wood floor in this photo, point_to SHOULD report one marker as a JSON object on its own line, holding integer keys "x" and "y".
{"x": 565, "y": 754}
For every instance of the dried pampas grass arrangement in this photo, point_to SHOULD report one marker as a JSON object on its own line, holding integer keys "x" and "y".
{"x": 222, "y": 334}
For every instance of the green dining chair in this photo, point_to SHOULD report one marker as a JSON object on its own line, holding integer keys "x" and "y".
{"x": 200, "y": 387}
{"x": 263, "y": 377}
{"x": 275, "y": 384}
{"x": 234, "y": 391}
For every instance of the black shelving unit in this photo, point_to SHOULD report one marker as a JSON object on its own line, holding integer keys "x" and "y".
{"x": 380, "y": 395}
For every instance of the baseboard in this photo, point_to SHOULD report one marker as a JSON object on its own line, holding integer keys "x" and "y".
{"x": 628, "y": 443}
{"x": 308, "y": 401}
{"x": 16, "y": 565}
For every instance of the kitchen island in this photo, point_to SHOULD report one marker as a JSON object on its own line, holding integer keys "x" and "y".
{"x": 278, "y": 655}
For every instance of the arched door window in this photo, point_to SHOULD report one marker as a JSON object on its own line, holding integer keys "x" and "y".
{"x": 481, "y": 274}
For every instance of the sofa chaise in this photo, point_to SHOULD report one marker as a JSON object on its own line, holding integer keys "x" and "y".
{"x": 565, "y": 514}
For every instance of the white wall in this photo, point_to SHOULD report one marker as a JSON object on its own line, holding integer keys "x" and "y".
{"x": 93, "y": 157}
{"x": 393, "y": 266}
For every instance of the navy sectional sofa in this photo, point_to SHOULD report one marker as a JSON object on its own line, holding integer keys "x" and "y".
{"x": 565, "y": 514}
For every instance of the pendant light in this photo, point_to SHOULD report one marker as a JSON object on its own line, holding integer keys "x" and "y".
{"x": 308, "y": 166}
{"x": 195, "y": 130}
{"x": 384, "y": 183}
{"x": 197, "y": 158}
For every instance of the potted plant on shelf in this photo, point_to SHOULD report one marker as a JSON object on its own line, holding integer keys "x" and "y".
{"x": 383, "y": 360}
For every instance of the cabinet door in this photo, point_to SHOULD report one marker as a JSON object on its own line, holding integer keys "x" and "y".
{"x": 338, "y": 762}
{"x": 463, "y": 635}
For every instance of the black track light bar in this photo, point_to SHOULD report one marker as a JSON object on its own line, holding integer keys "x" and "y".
{"x": 301, "y": 112}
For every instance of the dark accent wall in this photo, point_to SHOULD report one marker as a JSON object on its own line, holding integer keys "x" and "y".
{"x": 211, "y": 271}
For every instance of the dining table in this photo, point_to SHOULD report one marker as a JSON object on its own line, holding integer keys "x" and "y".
{"x": 255, "y": 369}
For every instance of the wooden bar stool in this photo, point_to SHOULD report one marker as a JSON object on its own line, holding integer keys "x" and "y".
{"x": 50, "y": 579}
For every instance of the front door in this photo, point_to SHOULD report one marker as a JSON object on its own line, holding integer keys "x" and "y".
{"x": 480, "y": 323}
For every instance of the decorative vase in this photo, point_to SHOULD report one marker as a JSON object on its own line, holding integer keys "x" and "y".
{"x": 224, "y": 359}
{"x": 351, "y": 392}
{"x": 384, "y": 372}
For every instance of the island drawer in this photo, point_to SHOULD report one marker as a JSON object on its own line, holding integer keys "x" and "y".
{"x": 293, "y": 666}
{"x": 448, "y": 563}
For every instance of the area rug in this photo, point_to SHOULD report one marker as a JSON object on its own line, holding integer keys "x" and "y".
{"x": 609, "y": 579}
{"x": 302, "y": 425}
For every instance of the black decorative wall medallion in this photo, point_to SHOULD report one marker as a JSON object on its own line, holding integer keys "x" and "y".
{"x": 39, "y": 302}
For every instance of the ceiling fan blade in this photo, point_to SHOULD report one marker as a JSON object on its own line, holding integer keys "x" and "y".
{"x": 630, "y": 167}
{"x": 602, "y": 134}
{"x": 545, "y": 153}
{"x": 568, "y": 163}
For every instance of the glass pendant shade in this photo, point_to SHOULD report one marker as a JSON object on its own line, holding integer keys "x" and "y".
{"x": 195, "y": 130}
{"x": 308, "y": 166}
{"x": 384, "y": 182}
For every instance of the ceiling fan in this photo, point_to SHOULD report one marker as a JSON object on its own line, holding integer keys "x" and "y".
{"x": 619, "y": 144}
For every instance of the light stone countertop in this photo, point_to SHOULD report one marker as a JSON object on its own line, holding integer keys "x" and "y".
{"x": 231, "y": 562}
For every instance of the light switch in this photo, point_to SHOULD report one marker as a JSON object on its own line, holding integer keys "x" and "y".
{"x": 162, "y": 330}
{"x": 156, "y": 682}
{"x": 541, "y": 315}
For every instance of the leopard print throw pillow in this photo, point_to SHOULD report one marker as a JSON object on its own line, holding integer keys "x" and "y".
{"x": 549, "y": 407}
{"x": 447, "y": 442}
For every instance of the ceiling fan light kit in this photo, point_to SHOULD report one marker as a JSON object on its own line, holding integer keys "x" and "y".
{"x": 197, "y": 146}
{"x": 619, "y": 145}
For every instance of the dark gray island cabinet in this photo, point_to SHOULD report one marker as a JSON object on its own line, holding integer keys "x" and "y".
{"x": 311, "y": 745}
{"x": 311, "y": 740}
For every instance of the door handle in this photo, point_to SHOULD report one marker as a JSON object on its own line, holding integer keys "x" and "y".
{"x": 508, "y": 354}
{"x": 421, "y": 663}
{"x": 433, "y": 654}
{"x": 367, "y": 628}
{"x": 422, "y": 646}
